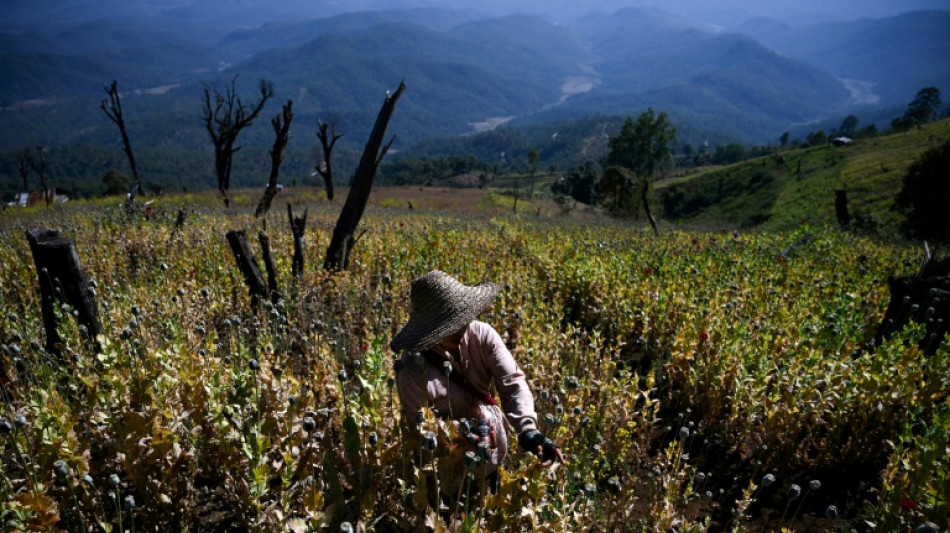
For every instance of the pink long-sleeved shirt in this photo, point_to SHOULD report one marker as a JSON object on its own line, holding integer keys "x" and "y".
{"x": 486, "y": 363}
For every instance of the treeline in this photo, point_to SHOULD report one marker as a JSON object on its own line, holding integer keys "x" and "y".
{"x": 431, "y": 171}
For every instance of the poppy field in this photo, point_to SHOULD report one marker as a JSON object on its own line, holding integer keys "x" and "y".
{"x": 695, "y": 381}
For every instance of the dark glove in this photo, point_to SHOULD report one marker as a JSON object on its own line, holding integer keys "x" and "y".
{"x": 530, "y": 439}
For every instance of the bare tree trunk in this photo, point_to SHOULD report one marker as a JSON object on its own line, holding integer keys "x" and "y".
{"x": 328, "y": 137}
{"x": 62, "y": 280}
{"x": 248, "y": 265}
{"x": 23, "y": 166}
{"x": 646, "y": 207}
{"x": 180, "y": 219}
{"x": 113, "y": 109}
{"x": 841, "y": 207}
{"x": 41, "y": 172}
{"x": 338, "y": 252}
{"x": 269, "y": 267}
{"x": 297, "y": 228}
{"x": 281, "y": 125}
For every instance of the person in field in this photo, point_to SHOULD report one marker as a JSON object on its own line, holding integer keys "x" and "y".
{"x": 455, "y": 364}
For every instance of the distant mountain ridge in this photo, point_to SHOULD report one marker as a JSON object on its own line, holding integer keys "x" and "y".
{"x": 462, "y": 72}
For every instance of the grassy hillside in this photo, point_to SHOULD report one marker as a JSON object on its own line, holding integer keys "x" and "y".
{"x": 784, "y": 189}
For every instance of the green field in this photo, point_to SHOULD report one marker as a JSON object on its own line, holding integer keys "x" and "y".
{"x": 677, "y": 372}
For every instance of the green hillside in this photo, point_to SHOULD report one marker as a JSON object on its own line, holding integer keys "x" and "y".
{"x": 790, "y": 187}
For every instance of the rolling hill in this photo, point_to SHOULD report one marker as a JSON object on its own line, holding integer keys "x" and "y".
{"x": 782, "y": 190}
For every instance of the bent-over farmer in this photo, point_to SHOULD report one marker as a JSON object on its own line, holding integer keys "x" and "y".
{"x": 453, "y": 364}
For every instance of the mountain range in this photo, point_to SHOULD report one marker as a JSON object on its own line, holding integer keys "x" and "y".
{"x": 465, "y": 73}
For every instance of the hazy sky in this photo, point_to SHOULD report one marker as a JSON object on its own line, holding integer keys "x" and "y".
{"x": 722, "y": 12}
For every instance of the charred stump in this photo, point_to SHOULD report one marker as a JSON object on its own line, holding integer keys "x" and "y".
{"x": 62, "y": 281}
{"x": 924, "y": 299}
{"x": 343, "y": 240}
{"x": 297, "y": 227}
{"x": 841, "y": 207}
{"x": 248, "y": 265}
{"x": 269, "y": 267}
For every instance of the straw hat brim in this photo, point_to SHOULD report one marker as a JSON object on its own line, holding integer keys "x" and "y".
{"x": 431, "y": 323}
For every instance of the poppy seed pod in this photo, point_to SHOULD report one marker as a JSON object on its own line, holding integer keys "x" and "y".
{"x": 794, "y": 492}
{"x": 61, "y": 468}
{"x": 484, "y": 450}
{"x": 470, "y": 460}
{"x": 814, "y": 484}
{"x": 767, "y": 480}
{"x": 831, "y": 512}
{"x": 429, "y": 441}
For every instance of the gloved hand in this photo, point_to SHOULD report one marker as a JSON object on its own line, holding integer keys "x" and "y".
{"x": 535, "y": 442}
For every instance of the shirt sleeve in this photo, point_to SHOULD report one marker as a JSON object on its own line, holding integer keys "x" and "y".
{"x": 509, "y": 380}
{"x": 411, "y": 384}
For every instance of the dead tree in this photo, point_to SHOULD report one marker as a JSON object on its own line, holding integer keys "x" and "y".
{"x": 281, "y": 124}
{"x": 40, "y": 170}
{"x": 24, "y": 168}
{"x": 237, "y": 240}
{"x": 62, "y": 281}
{"x": 112, "y": 107}
{"x": 343, "y": 240}
{"x": 224, "y": 120}
{"x": 297, "y": 228}
{"x": 328, "y": 137}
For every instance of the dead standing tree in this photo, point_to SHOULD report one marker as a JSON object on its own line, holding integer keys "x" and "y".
{"x": 224, "y": 121}
{"x": 24, "y": 168}
{"x": 27, "y": 164}
{"x": 343, "y": 240}
{"x": 281, "y": 124}
{"x": 112, "y": 107}
{"x": 328, "y": 137}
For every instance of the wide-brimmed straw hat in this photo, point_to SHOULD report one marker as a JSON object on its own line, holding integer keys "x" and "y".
{"x": 441, "y": 306}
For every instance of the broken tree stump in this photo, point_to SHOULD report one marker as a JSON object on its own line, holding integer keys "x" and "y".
{"x": 297, "y": 227}
{"x": 269, "y": 266}
{"x": 62, "y": 281}
{"x": 237, "y": 240}
{"x": 841, "y": 207}
{"x": 925, "y": 299}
